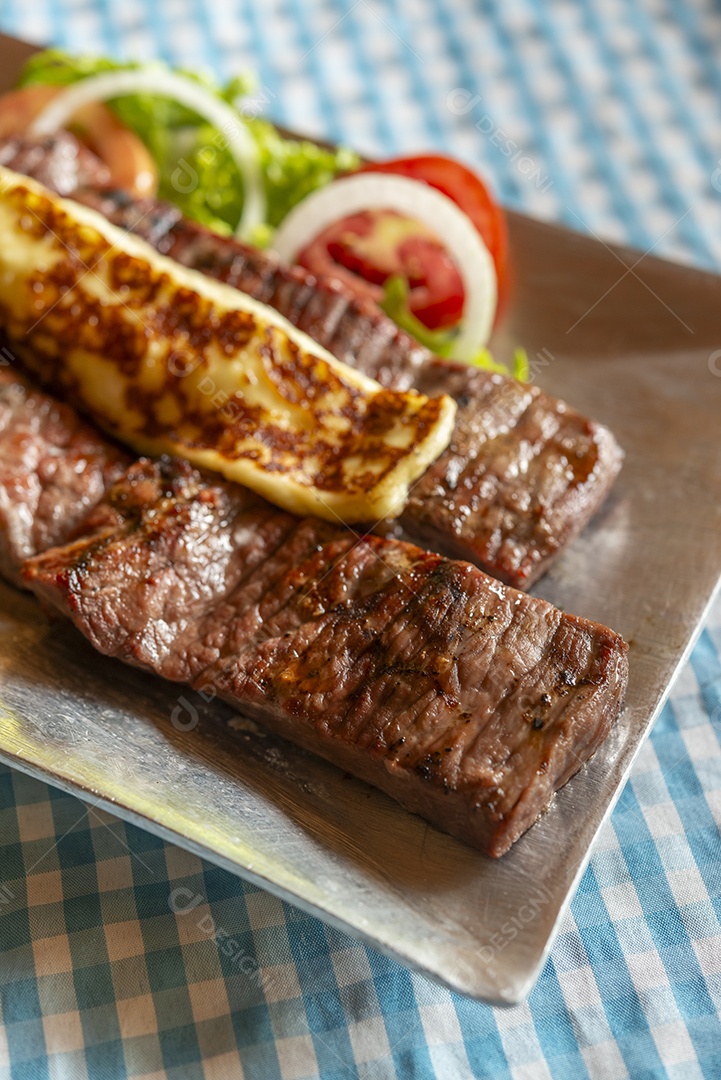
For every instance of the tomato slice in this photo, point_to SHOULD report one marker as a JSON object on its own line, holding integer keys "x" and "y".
{"x": 468, "y": 192}
{"x": 365, "y": 249}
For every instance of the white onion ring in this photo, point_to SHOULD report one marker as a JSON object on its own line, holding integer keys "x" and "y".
{"x": 414, "y": 199}
{"x": 166, "y": 84}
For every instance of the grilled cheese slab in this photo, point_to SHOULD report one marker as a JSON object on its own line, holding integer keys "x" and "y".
{"x": 170, "y": 361}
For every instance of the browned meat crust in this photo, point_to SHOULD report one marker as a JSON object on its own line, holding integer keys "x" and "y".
{"x": 60, "y": 162}
{"x": 468, "y": 702}
{"x": 523, "y": 474}
{"x": 53, "y": 469}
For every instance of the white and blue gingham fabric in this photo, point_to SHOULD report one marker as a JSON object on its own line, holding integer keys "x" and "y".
{"x": 603, "y": 111}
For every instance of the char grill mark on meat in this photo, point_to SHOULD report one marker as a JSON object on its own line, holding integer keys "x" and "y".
{"x": 466, "y": 701}
{"x": 53, "y": 469}
{"x": 523, "y": 474}
{"x": 59, "y": 161}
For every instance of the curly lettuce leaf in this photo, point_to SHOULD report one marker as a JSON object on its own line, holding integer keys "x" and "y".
{"x": 196, "y": 171}
{"x": 441, "y": 342}
{"x": 395, "y": 304}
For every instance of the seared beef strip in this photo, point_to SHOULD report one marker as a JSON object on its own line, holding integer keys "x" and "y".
{"x": 53, "y": 469}
{"x": 468, "y": 702}
{"x": 60, "y": 162}
{"x": 523, "y": 474}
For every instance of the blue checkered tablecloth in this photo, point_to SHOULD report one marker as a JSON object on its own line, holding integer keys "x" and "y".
{"x": 617, "y": 106}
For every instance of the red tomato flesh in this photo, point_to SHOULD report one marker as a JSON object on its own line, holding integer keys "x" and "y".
{"x": 364, "y": 249}
{"x": 467, "y": 191}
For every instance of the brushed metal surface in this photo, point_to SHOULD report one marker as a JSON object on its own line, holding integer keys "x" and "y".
{"x": 638, "y": 351}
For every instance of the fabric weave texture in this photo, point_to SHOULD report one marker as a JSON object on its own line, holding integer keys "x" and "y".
{"x": 617, "y": 108}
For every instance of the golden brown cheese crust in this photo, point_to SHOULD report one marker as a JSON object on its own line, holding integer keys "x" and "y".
{"x": 170, "y": 361}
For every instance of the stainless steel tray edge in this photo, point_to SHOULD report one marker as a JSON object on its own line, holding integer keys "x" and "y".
{"x": 648, "y": 566}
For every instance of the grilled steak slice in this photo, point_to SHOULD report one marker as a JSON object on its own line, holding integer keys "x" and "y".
{"x": 53, "y": 469}
{"x": 59, "y": 161}
{"x": 466, "y": 701}
{"x": 522, "y": 476}
{"x": 524, "y": 473}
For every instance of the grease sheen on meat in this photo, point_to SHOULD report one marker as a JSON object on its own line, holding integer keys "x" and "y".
{"x": 171, "y": 361}
{"x": 523, "y": 473}
{"x": 54, "y": 468}
{"x": 468, "y": 702}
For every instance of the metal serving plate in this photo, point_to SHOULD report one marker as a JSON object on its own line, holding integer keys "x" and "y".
{"x": 640, "y": 350}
